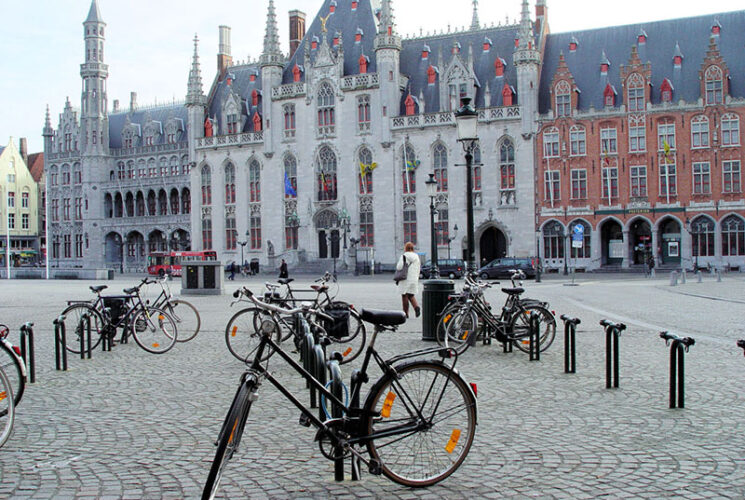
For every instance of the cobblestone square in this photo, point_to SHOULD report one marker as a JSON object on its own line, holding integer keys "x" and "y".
{"x": 128, "y": 424}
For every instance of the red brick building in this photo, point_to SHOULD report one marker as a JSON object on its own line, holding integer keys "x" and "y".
{"x": 640, "y": 143}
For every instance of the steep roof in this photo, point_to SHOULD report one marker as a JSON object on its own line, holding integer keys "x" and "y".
{"x": 2, "y": 148}
{"x": 346, "y": 21}
{"x": 691, "y": 34}
{"x": 36, "y": 165}
{"x": 94, "y": 14}
{"x": 502, "y": 40}
{"x": 242, "y": 85}
{"x": 161, "y": 114}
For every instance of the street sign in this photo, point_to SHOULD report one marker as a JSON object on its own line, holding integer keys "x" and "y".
{"x": 578, "y": 236}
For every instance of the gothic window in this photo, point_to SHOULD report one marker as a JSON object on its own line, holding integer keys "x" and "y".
{"x": 77, "y": 174}
{"x": 230, "y": 233}
{"x": 254, "y": 227}
{"x": 730, "y": 130}
{"x": 410, "y": 223}
{"x": 206, "y": 187}
{"x": 363, "y": 113}
{"x": 507, "y": 165}
{"x": 207, "y": 233}
{"x": 291, "y": 232}
{"x": 408, "y": 169}
{"x": 441, "y": 226}
{"x": 733, "y": 236}
{"x": 365, "y": 175}
{"x": 325, "y": 102}
{"x": 326, "y": 174}
{"x": 233, "y": 123}
{"x": 553, "y": 240}
{"x": 65, "y": 175}
{"x": 367, "y": 228}
{"x": 700, "y": 132}
{"x": 476, "y": 169}
{"x": 713, "y": 83}
{"x": 635, "y": 85}
{"x": 440, "y": 167}
{"x": 290, "y": 176}
{"x": 702, "y": 235}
{"x": 254, "y": 181}
{"x": 577, "y": 141}
{"x": 563, "y": 99}
{"x": 120, "y": 171}
{"x": 289, "y": 115}
{"x": 229, "y": 184}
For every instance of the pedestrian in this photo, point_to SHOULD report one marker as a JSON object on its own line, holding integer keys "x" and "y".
{"x": 244, "y": 268}
{"x": 650, "y": 264}
{"x": 283, "y": 269}
{"x": 232, "y": 271}
{"x": 409, "y": 286}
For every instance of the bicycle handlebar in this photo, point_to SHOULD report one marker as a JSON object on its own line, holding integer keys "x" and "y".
{"x": 279, "y": 310}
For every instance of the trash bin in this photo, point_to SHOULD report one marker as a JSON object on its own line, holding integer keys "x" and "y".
{"x": 254, "y": 266}
{"x": 434, "y": 299}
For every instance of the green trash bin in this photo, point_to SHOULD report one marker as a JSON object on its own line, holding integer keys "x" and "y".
{"x": 434, "y": 300}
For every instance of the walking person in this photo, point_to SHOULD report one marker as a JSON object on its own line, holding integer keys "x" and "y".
{"x": 408, "y": 287}
{"x": 650, "y": 265}
{"x": 232, "y": 271}
{"x": 283, "y": 269}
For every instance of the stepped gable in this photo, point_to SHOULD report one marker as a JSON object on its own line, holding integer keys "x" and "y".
{"x": 159, "y": 114}
{"x": 691, "y": 34}
{"x": 502, "y": 45}
{"x": 243, "y": 86}
{"x": 345, "y": 21}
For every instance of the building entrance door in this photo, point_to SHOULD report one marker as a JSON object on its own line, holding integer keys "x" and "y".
{"x": 492, "y": 245}
{"x": 323, "y": 248}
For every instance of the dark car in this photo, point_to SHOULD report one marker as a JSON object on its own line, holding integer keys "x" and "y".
{"x": 448, "y": 268}
{"x": 502, "y": 268}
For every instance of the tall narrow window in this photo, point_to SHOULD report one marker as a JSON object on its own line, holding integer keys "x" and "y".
{"x": 700, "y": 132}
{"x": 408, "y": 169}
{"x": 255, "y": 229}
{"x": 668, "y": 180}
{"x": 78, "y": 246}
{"x": 563, "y": 99}
{"x": 731, "y": 176}
{"x": 733, "y": 236}
{"x": 229, "y": 184}
{"x": 325, "y": 102}
{"x": 367, "y": 228}
{"x": 551, "y": 143}
{"x": 365, "y": 173}
{"x": 579, "y": 183}
{"x": 476, "y": 169}
{"x": 230, "y": 233}
{"x": 232, "y": 123}
{"x": 24, "y": 199}
{"x": 701, "y": 178}
{"x": 553, "y": 241}
{"x": 552, "y": 186}
{"x": 206, "y": 186}
{"x": 254, "y": 181}
{"x": 637, "y": 138}
{"x": 11, "y": 199}
{"x": 608, "y": 141}
{"x": 507, "y": 165}
{"x": 289, "y": 115}
{"x": 702, "y": 237}
{"x": 24, "y": 221}
{"x": 636, "y": 92}
{"x": 730, "y": 130}
{"x": 326, "y": 174}
{"x": 363, "y": 113}
{"x": 638, "y": 181}
{"x": 290, "y": 176}
{"x": 713, "y": 79}
{"x": 207, "y": 234}
{"x": 440, "y": 167}
{"x": 610, "y": 183}
{"x": 291, "y": 237}
{"x": 441, "y": 226}
{"x": 410, "y": 223}
{"x": 577, "y": 141}
{"x": 665, "y": 136}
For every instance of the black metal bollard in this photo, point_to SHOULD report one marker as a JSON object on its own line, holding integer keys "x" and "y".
{"x": 27, "y": 350}
{"x": 337, "y": 389}
{"x": 507, "y": 346}
{"x": 319, "y": 373}
{"x": 535, "y": 341}
{"x": 84, "y": 327}
{"x": 741, "y": 344}
{"x": 612, "y": 334}
{"x": 60, "y": 343}
{"x": 570, "y": 330}
{"x": 355, "y": 386}
{"x": 678, "y": 348}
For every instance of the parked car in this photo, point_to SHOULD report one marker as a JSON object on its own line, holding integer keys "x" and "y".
{"x": 501, "y": 268}
{"x": 450, "y": 268}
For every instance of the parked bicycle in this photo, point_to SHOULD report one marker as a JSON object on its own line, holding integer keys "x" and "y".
{"x": 469, "y": 318}
{"x": 417, "y": 423}
{"x": 13, "y": 365}
{"x": 152, "y": 328}
{"x": 183, "y": 313}
{"x": 7, "y": 408}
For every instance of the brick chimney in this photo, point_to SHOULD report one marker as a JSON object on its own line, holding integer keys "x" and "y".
{"x": 297, "y": 29}
{"x": 116, "y": 106}
{"x": 23, "y": 150}
{"x": 132, "y": 101}
{"x": 224, "y": 59}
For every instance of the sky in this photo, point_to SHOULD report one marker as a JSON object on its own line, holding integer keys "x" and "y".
{"x": 149, "y": 42}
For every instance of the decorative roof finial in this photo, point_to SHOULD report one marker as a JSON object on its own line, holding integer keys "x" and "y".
{"x": 475, "y": 21}
{"x": 194, "y": 93}
{"x": 272, "y": 52}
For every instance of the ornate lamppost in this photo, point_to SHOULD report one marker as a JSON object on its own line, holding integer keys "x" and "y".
{"x": 451, "y": 238}
{"x": 431, "y": 185}
{"x": 466, "y": 120}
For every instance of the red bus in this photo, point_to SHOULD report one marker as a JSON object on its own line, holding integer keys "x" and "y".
{"x": 161, "y": 263}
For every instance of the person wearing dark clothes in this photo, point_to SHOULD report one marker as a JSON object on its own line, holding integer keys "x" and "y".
{"x": 283, "y": 269}
{"x": 232, "y": 271}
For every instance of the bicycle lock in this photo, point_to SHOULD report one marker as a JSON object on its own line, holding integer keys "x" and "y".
{"x": 570, "y": 330}
{"x": 678, "y": 348}
{"x": 612, "y": 334}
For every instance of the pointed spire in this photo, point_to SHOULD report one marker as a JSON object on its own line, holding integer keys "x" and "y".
{"x": 272, "y": 54}
{"x": 194, "y": 93}
{"x": 386, "y": 17}
{"x": 94, "y": 14}
{"x": 48, "y": 130}
{"x": 475, "y": 20}
{"x": 387, "y": 37}
{"x": 525, "y": 25}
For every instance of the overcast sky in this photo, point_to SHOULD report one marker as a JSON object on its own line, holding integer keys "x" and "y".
{"x": 149, "y": 42}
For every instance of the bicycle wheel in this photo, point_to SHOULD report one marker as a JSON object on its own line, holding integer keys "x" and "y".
{"x": 461, "y": 328}
{"x": 350, "y": 346}
{"x": 229, "y": 438}
{"x": 7, "y": 408}
{"x": 426, "y": 425}
{"x": 12, "y": 368}
{"x": 444, "y": 320}
{"x": 520, "y": 328}
{"x": 154, "y": 330}
{"x": 186, "y": 317}
{"x": 242, "y": 337}
{"x": 73, "y": 330}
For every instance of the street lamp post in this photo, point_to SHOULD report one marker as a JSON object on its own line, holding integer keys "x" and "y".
{"x": 334, "y": 238}
{"x": 451, "y": 238}
{"x": 694, "y": 234}
{"x": 344, "y": 221}
{"x": 566, "y": 250}
{"x": 353, "y": 241}
{"x": 466, "y": 120}
{"x": 243, "y": 245}
{"x": 431, "y": 185}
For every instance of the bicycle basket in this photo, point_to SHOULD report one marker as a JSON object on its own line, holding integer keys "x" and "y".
{"x": 339, "y": 327}
{"x": 118, "y": 307}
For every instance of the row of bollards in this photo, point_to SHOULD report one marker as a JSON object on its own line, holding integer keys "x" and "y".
{"x": 676, "y": 276}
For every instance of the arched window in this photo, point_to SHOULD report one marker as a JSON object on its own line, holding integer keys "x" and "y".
{"x": 130, "y": 169}
{"x": 120, "y": 171}
{"x": 507, "y": 165}
{"x": 206, "y": 187}
{"x": 254, "y": 181}
{"x": 408, "y": 169}
{"x": 325, "y": 109}
{"x": 290, "y": 176}
{"x": 713, "y": 83}
{"x": 440, "y": 167}
{"x": 563, "y": 98}
{"x": 365, "y": 176}
{"x": 229, "y": 184}
{"x": 730, "y": 130}
{"x": 584, "y": 251}
{"x": 77, "y": 174}
{"x": 476, "y": 169}
{"x": 700, "y": 132}
{"x": 635, "y": 84}
{"x": 733, "y": 236}
{"x": 326, "y": 174}
{"x": 702, "y": 233}
{"x": 553, "y": 240}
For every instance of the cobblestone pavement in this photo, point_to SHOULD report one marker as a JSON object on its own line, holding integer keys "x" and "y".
{"x": 128, "y": 424}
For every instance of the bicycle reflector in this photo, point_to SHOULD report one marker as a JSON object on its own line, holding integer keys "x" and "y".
{"x": 475, "y": 389}
{"x": 385, "y": 412}
{"x": 235, "y": 329}
{"x": 453, "y": 441}
{"x": 347, "y": 351}
{"x": 17, "y": 349}
{"x": 3, "y": 395}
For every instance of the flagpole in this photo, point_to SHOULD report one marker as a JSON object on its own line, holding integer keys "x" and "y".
{"x": 406, "y": 167}
{"x": 550, "y": 182}
{"x": 609, "y": 184}
{"x": 7, "y": 231}
{"x": 46, "y": 223}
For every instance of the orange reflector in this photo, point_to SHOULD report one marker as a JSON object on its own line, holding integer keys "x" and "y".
{"x": 454, "y": 437}
{"x": 387, "y": 404}
{"x": 447, "y": 318}
{"x": 161, "y": 317}
{"x": 347, "y": 351}
{"x": 525, "y": 342}
{"x": 465, "y": 334}
{"x": 235, "y": 329}
{"x": 155, "y": 344}
{"x": 3, "y": 395}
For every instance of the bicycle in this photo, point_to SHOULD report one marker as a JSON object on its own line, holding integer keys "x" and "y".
{"x": 472, "y": 319}
{"x": 423, "y": 405}
{"x": 13, "y": 365}
{"x": 152, "y": 328}
{"x": 184, "y": 313}
{"x": 7, "y": 408}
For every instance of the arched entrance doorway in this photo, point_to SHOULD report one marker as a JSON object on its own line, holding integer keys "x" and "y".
{"x": 611, "y": 235}
{"x": 640, "y": 241}
{"x": 327, "y": 224}
{"x": 492, "y": 245}
{"x": 669, "y": 238}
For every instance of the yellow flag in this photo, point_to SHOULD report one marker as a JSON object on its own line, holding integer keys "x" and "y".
{"x": 373, "y": 166}
{"x": 363, "y": 167}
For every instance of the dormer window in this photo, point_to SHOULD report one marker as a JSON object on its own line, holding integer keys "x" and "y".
{"x": 354, "y": 6}
{"x": 363, "y": 61}
{"x": 257, "y": 122}
{"x": 609, "y": 96}
{"x": 517, "y": 42}
{"x": 499, "y": 67}
{"x": 314, "y": 43}
{"x": 508, "y": 93}
{"x": 563, "y": 99}
{"x": 677, "y": 61}
{"x": 358, "y": 35}
{"x": 641, "y": 38}
{"x": 332, "y": 7}
{"x": 573, "y": 44}
{"x": 716, "y": 28}
{"x": 431, "y": 75}
{"x": 604, "y": 68}
{"x": 252, "y": 77}
{"x": 713, "y": 78}
{"x": 410, "y": 105}
{"x": 666, "y": 91}
{"x": 487, "y": 44}
{"x": 254, "y": 97}
{"x": 425, "y": 52}
{"x": 635, "y": 85}
{"x": 232, "y": 123}
{"x": 336, "y": 40}
{"x": 296, "y": 72}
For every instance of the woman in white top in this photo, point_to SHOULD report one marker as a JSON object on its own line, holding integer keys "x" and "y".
{"x": 409, "y": 287}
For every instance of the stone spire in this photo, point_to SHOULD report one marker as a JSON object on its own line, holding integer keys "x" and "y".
{"x": 272, "y": 55}
{"x": 526, "y": 27}
{"x": 48, "y": 131}
{"x": 387, "y": 37}
{"x": 194, "y": 93}
{"x": 475, "y": 21}
{"x": 94, "y": 14}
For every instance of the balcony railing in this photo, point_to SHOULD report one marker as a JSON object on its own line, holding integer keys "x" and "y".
{"x": 358, "y": 82}
{"x": 288, "y": 91}
{"x": 220, "y": 141}
{"x": 156, "y": 148}
{"x": 448, "y": 117}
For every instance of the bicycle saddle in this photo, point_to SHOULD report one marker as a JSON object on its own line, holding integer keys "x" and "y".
{"x": 285, "y": 281}
{"x": 96, "y": 289}
{"x": 513, "y": 291}
{"x": 130, "y": 291}
{"x": 383, "y": 318}
{"x": 319, "y": 288}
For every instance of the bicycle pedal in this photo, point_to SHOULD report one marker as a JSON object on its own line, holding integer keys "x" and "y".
{"x": 304, "y": 420}
{"x": 374, "y": 467}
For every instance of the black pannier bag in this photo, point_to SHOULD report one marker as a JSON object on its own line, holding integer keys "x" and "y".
{"x": 271, "y": 296}
{"x": 118, "y": 307}
{"x": 339, "y": 327}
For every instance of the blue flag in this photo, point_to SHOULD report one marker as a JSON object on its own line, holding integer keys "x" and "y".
{"x": 289, "y": 190}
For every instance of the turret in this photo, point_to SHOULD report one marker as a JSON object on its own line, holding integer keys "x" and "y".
{"x": 387, "y": 53}
{"x": 271, "y": 61}
{"x": 195, "y": 102}
{"x": 48, "y": 133}
{"x": 527, "y": 59}
{"x": 475, "y": 19}
{"x": 94, "y": 115}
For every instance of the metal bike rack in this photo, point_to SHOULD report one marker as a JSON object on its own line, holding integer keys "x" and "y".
{"x": 107, "y": 336}
{"x": 60, "y": 351}
{"x": 612, "y": 334}
{"x": 319, "y": 373}
{"x": 678, "y": 348}
{"x": 337, "y": 389}
{"x": 534, "y": 348}
{"x": 570, "y": 330}
{"x": 27, "y": 350}
{"x": 355, "y": 403}
{"x": 741, "y": 344}
{"x": 85, "y": 327}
